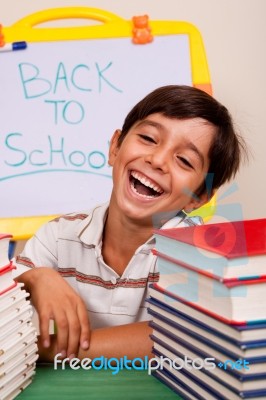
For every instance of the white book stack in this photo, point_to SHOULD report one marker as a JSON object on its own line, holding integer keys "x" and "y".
{"x": 18, "y": 337}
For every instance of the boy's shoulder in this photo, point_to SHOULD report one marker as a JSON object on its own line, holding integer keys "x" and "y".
{"x": 88, "y": 223}
{"x": 72, "y": 217}
{"x": 76, "y": 217}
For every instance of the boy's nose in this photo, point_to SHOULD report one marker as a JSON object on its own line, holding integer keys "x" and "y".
{"x": 158, "y": 160}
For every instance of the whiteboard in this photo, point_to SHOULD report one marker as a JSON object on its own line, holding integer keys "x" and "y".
{"x": 60, "y": 103}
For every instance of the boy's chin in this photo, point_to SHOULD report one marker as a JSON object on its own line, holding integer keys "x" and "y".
{"x": 147, "y": 216}
{"x": 136, "y": 214}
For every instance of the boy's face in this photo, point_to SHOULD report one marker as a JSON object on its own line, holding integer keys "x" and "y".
{"x": 160, "y": 164}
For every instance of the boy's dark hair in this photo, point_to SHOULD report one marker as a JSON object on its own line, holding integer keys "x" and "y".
{"x": 183, "y": 102}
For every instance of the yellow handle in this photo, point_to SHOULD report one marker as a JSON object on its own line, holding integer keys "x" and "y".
{"x": 27, "y": 29}
{"x": 67, "y": 13}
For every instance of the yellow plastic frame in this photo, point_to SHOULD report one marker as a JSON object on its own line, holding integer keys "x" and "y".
{"x": 112, "y": 26}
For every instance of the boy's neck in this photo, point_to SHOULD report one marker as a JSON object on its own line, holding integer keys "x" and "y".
{"x": 121, "y": 238}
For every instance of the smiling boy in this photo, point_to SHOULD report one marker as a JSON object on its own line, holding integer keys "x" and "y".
{"x": 90, "y": 271}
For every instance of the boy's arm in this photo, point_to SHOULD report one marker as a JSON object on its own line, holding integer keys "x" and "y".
{"x": 131, "y": 340}
{"x": 55, "y": 299}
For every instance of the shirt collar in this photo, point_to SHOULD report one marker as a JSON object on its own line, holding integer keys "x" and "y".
{"x": 90, "y": 230}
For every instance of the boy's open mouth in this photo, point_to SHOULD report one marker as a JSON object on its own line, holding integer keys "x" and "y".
{"x": 143, "y": 186}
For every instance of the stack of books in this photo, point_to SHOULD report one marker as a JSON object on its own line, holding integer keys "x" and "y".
{"x": 18, "y": 347}
{"x": 209, "y": 310}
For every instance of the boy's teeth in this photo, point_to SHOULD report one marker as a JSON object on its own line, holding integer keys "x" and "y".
{"x": 145, "y": 181}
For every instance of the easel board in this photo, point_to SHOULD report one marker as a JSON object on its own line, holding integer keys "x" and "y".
{"x": 62, "y": 98}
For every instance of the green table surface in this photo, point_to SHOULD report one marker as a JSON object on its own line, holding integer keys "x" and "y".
{"x": 69, "y": 384}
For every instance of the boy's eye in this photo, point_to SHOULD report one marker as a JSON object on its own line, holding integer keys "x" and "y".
{"x": 147, "y": 138}
{"x": 185, "y": 162}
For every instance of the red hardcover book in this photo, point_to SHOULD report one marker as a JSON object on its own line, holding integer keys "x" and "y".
{"x": 228, "y": 250}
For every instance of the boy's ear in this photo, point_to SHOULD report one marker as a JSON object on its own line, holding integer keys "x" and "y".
{"x": 198, "y": 201}
{"x": 114, "y": 147}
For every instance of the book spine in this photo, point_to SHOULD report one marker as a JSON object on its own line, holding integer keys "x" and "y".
{"x": 14, "y": 284}
{"x": 7, "y": 268}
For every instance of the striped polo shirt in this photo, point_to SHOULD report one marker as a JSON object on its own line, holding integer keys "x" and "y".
{"x": 71, "y": 244}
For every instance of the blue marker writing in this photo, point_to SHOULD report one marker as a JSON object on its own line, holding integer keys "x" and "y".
{"x": 13, "y": 46}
